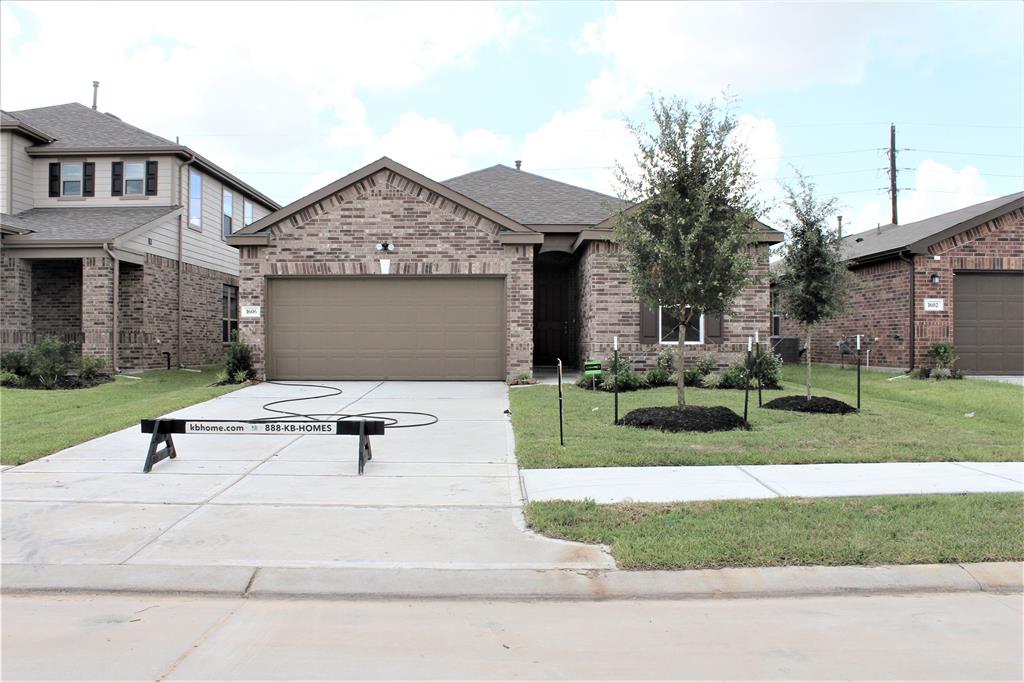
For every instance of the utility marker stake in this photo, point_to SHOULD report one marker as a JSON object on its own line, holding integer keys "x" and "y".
{"x": 858, "y": 372}
{"x": 746, "y": 388}
{"x": 615, "y": 369}
{"x": 561, "y": 412}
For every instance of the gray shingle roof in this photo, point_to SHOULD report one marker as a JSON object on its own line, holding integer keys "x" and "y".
{"x": 83, "y": 224}
{"x": 533, "y": 200}
{"x": 894, "y": 238}
{"x": 75, "y": 125}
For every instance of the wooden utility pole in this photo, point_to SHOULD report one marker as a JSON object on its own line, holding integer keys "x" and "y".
{"x": 892, "y": 171}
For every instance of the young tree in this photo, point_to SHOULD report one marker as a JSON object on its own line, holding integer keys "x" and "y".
{"x": 687, "y": 237}
{"x": 814, "y": 278}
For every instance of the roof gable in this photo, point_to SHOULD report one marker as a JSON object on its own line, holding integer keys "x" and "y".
{"x": 81, "y": 224}
{"x": 533, "y": 199}
{"x": 916, "y": 237}
{"x": 341, "y": 190}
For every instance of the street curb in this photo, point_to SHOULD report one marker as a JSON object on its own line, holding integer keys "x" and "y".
{"x": 514, "y": 585}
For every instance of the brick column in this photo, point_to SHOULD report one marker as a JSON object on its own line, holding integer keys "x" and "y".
{"x": 98, "y": 308}
{"x": 16, "y": 294}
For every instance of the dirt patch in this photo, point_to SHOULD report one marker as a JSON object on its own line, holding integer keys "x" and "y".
{"x": 690, "y": 418}
{"x": 816, "y": 405}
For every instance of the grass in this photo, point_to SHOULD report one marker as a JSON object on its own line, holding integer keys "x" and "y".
{"x": 35, "y": 423}
{"x": 905, "y": 529}
{"x": 906, "y": 420}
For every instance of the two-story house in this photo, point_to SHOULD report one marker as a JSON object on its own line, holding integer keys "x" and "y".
{"x": 114, "y": 239}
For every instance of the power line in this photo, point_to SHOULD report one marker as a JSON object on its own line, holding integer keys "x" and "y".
{"x": 803, "y": 156}
{"x": 947, "y": 151}
{"x": 944, "y": 191}
{"x": 988, "y": 175}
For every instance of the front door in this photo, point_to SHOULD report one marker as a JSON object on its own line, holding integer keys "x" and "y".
{"x": 554, "y": 305}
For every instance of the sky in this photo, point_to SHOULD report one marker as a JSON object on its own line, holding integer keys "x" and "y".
{"x": 291, "y": 96}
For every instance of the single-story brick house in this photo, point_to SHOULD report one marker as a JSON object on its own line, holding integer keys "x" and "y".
{"x": 386, "y": 273}
{"x": 955, "y": 277}
{"x": 113, "y": 239}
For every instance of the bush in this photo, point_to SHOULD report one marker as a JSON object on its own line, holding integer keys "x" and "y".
{"x": 49, "y": 360}
{"x": 15, "y": 362}
{"x": 766, "y": 370}
{"x": 238, "y": 362}
{"x": 706, "y": 365}
{"x": 735, "y": 376}
{"x": 666, "y": 360}
{"x": 11, "y": 379}
{"x": 943, "y": 355}
{"x": 659, "y": 376}
{"x": 89, "y": 368}
{"x": 628, "y": 380}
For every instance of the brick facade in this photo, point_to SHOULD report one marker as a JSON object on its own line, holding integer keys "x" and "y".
{"x": 880, "y": 302}
{"x": 432, "y": 236}
{"x": 15, "y": 303}
{"x": 607, "y": 308}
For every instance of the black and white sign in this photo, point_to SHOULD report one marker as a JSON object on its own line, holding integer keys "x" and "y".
{"x": 251, "y": 311}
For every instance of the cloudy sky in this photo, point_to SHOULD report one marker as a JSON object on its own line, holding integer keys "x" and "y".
{"x": 290, "y": 96}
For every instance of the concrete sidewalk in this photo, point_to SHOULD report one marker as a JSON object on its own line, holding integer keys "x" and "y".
{"x": 608, "y": 485}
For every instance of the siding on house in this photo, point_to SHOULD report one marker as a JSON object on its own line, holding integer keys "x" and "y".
{"x": 15, "y": 174}
{"x": 41, "y": 168}
{"x": 206, "y": 247}
{"x": 160, "y": 240}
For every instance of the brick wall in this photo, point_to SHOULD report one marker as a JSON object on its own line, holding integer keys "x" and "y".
{"x": 202, "y": 315}
{"x": 608, "y": 308}
{"x": 57, "y": 298}
{"x": 97, "y": 306}
{"x": 431, "y": 235}
{"x": 15, "y": 303}
{"x": 879, "y": 303}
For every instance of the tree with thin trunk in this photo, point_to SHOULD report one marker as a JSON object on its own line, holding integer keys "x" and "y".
{"x": 814, "y": 278}
{"x": 687, "y": 235}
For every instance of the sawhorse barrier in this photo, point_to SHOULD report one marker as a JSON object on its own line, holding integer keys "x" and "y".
{"x": 161, "y": 445}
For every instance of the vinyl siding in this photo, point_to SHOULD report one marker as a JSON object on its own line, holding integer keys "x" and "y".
{"x": 15, "y": 174}
{"x": 5, "y": 173}
{"x": 103, "y": 198}
{"x": 164, "y": 237}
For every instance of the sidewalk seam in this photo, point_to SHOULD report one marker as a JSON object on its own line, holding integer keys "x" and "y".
{"x": 759, "y": 481}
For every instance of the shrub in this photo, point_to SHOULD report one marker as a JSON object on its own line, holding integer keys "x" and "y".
{"x": 735, "y": 376}
{"x": 659, "y": 376}
{"x": 49, "y": 361}
{"x": 11, "y": 379}
{"x": 943, "y": 355}
{"x": 666, "y": 360}
{"x": 221, "y": 378}
{"x": 628, "y": 380}
{"x": 706, "y": 365}
{"x": 238, "y": 362}
{"x": 694, "y": 377}
{"x": 766, "y": 370}
{"x": 15, "y": 362}
{"x": 89, "y": 368}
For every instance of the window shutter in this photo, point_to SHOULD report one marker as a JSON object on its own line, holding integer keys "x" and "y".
{"x": 713, "y": 328}
{"x": 116, "y": 178}
{"x": 151, "y": 173}
{"x": 88, "y": 179}
{"x": 54, "y": 179}
{"x": 648, "y": 324}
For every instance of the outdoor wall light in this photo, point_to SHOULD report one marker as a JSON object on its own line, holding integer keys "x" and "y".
{"x": 935, "y": 279}
{"x": 385, "y": 246}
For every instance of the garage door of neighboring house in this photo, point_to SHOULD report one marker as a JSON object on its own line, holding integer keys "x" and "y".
{"x": 450, "y": 328}
{"x": 989, "y": 322}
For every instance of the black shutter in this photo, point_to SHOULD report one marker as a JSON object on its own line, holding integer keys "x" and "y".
{"x": 151, "y": 167}
{"x": 54, "y": 179}
{"x": 116, "y": 178}
{"x": 713, "y": 328}
{"x": 88, "y": 179}
{"x": 648, "y": 324}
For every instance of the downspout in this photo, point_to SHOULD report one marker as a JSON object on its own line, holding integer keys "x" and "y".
{"x": 182, "y": 216}
{"x": 913, "y": 310}
{"x": 113, "y": 333}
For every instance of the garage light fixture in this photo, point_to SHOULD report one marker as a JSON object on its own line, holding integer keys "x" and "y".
{"x": 935, "y": 279}
{"x": 385, "y": 246}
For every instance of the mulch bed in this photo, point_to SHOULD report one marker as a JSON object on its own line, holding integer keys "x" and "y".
{"x": 689, "y": 418}
{"x": 816, "y": 405}
{"x": 69, "y": 382}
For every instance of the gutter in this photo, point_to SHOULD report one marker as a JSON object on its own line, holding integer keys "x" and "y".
{"x": 912, "y": 337}
{"x": 113, "y": 313}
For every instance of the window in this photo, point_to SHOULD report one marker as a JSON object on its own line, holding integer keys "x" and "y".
{"x": 229, "y": 201}
{"x": 71, "y": 179}
{"x": 247, "y": 212}
{"x": 668, "y": 327}
{"x": 229, "y": 325}
{"x": 776, "y": 315}
{"x": 135, "y": 178}
{"x": 195, "y": 199}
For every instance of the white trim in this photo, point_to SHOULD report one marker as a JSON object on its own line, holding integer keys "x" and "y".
{"x": 192, "y": 172}
{"x": 80, "y": 181}
{"x": 682, "y": 331}
{"x": 125, "y": 178}
{"x": 230, "y": 215}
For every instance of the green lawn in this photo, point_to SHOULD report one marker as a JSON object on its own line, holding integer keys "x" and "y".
{"x": 36, "y": 423}
{"x": 795, "y": 531}
{"x": 902, "y": 420}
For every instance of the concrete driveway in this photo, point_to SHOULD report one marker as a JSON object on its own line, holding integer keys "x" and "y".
{"x": 444, "y": 496}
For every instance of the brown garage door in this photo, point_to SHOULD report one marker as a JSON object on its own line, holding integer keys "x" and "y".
{"x": 989, "y": 322}
{"x": 386, "y": 328}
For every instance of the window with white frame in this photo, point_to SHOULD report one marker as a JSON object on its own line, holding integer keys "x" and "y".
{"x": 247, "y": 209}
{"x": 229, "y": 208}
{"x": 70, "y": 180}
{"x": 669, "y": 325}
{"x": 195, "y": 199}
{"x": 135, "y": 178}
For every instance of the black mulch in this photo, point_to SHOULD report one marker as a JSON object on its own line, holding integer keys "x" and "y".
{"x": 817, "y": 405}
{"x": 689, "y": 418}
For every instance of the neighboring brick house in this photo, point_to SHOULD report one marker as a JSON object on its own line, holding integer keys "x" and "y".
{"x": 955, "y": 277}
{"x": 113, "y": 239}
{"x": 388, "y": 274}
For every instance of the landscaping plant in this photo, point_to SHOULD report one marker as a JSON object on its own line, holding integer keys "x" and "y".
{"x": 943, "y": 358}
{"x": 238, "y": 363}
{"x": 49, "y": 361}
{"x": 686, "y": 238}
{"x": 814, "y": 278}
